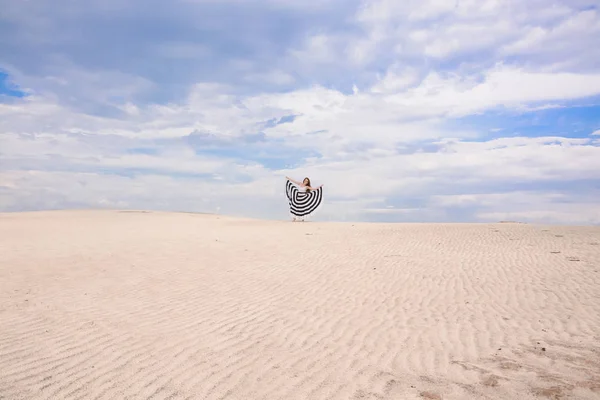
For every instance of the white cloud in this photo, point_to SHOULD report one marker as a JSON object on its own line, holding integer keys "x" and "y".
{"x": 317, "y": 49}
{"x": 496, "y": 28}
{"x": 566, "y": 34}
{"x": 390, "y": 112}
{"x": 501, "y": 86}
{"x": 397, "y": 78}
{"x": 356, "y": 189}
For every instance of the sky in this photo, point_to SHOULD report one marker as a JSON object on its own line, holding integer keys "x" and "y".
{"x": 406, "y": 111}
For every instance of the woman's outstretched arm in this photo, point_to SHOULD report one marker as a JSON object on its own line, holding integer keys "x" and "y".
{"x": 312, "y": 188}
{"x": 291, "y": 180}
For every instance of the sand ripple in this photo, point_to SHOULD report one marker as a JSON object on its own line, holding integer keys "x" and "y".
{"x": 117, "y": 305}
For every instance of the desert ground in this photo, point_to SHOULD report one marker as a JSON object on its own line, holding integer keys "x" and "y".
{"x": 155, "y": 305}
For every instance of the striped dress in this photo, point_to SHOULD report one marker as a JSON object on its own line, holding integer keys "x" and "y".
{"x": 302, "y": 204}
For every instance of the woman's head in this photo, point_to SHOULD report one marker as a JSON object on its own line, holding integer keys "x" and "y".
{"x": 306, "y": 182}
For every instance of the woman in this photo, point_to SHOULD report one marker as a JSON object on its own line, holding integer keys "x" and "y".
{"x": 303, "y": 198}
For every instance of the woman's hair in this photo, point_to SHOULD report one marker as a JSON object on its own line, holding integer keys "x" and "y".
{"x": 308, "y": 184}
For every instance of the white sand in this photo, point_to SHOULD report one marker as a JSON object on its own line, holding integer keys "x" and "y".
{"x": 115, "y": 305}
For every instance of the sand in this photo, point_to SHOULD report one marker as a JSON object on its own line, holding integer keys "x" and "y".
{"x": 150, "y": 305}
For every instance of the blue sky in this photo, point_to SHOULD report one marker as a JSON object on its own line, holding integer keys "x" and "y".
{"x": 407, "y": 111}
{"x": 9, "y": 89}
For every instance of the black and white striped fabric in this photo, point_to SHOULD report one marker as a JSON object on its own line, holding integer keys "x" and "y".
{"x": 303, "y": 204}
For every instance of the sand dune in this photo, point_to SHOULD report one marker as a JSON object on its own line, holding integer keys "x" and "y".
{"x": 131, "y": 305}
